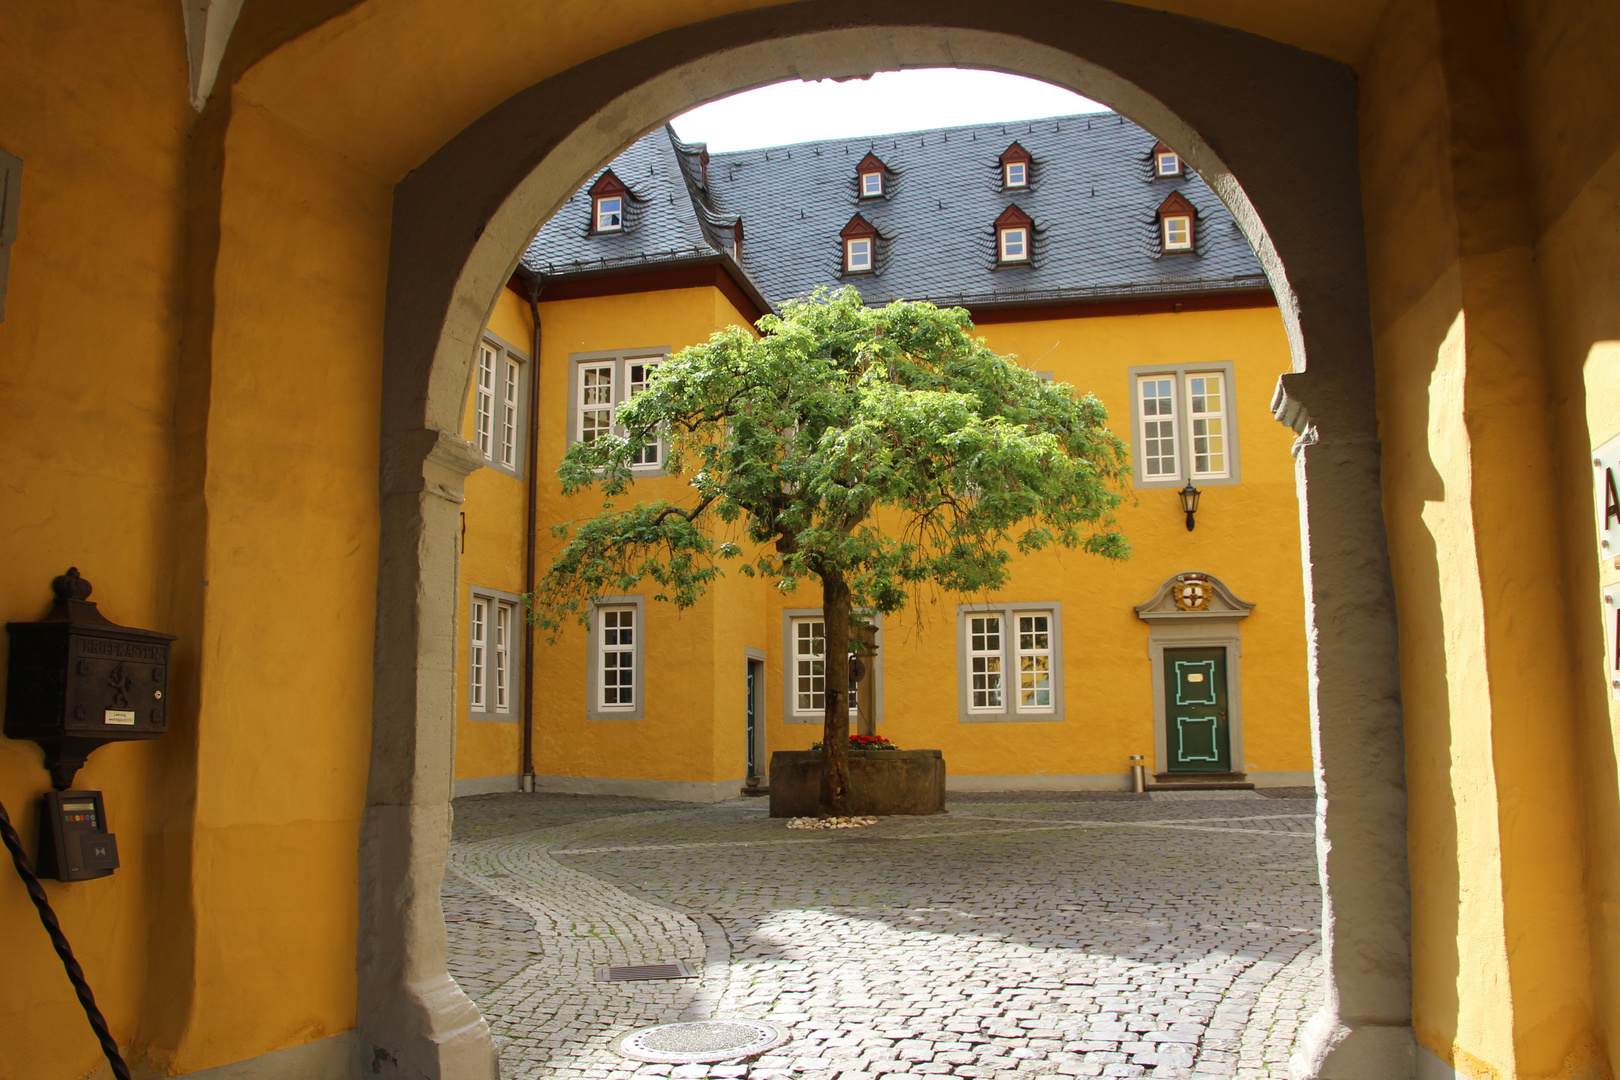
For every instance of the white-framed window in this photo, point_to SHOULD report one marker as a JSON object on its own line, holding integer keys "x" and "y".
{"x": 639, "y": 371}
{"x": 1034, "y": 649}
{"x": 499, "y": 409}
{"x": 1166, "y": 163}
{"x": 985, "y": 670}
{"x": 871, "y": 185}
{"x": 1009, "y": 659}
{"x": 616, "y": 659}
{"x": 604, "y": 381}
{"x": 1177, "y": 232}
{"x": 609, "y": 213}
{"x": 1157, "y": 401}
{"x": 620, "y": 632}
{"x": 509, "y": 414}
{"x": 858, "y": 255}
{"x": 484, "y": 399}
{"x": 1183, "y": 426}
{"x": 1015, "y": 174}
{"x": 478, "y": 653}
{"x": 804, "y": 669}
{"x": 494, "y": 629}
{"x": 1206, "y": 412}
{"x": 1013, "y": 244}
{"x": 596, "y": 400}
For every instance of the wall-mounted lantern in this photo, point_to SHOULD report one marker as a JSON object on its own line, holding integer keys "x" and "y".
{"x": 1189, "y": 502}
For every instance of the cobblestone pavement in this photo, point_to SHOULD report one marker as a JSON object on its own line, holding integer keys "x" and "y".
{"x": 1172, "y": 935}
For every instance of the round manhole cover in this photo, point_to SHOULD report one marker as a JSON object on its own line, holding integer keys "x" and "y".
{"x": 702, "y": 1042}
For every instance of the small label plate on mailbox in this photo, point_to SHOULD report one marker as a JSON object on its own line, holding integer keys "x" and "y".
{"x": 120, "y": 716}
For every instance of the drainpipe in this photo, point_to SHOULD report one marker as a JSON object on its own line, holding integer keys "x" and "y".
{"x": 537, "y": 283}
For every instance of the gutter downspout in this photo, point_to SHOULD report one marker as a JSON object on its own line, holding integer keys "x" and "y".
{"x": 537, "y": 284}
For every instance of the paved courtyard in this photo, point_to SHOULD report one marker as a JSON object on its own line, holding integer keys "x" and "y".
{"x": 1018, "y": 935}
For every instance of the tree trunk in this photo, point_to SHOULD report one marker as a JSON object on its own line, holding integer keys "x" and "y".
{"x": 835, "y": 604}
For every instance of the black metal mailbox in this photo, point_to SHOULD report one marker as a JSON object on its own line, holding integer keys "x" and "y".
{"x": 77, "y": 681}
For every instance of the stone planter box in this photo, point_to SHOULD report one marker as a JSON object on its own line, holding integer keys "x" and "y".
{"x": 881, "y": 782}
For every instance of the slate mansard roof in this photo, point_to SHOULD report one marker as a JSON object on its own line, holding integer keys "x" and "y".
{"x": 1092, "y": 194}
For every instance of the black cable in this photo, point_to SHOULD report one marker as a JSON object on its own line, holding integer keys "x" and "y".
{"x": 36, "y": 893}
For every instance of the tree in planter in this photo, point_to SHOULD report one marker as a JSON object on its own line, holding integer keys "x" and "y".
{"x": 875, "y": 450}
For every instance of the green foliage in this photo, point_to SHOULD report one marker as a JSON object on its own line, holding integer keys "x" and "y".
{"x": 888, "y": 448}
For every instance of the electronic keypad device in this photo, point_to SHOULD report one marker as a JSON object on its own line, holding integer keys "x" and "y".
{"x": 74, "y": 844}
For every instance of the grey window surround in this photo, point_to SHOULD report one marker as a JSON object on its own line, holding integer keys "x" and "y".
{"x": 620, "y": 383}
{"x": 1008, "y": 714}
{"x": 593, "y": 661}
{"x": 506, "y": 349}
{"x": 788, "y": 714}
{"x": 487, "y": 713}
{"x": 1183, "y": 442}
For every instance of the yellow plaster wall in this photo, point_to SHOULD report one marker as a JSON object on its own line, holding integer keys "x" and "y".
{"x": 1488, "y": 130}
{"x": 1247, "y": 536}
{"x": 492, "y": 557}
{"x": 689, "y": 649}
{"x": 93, "y": 101}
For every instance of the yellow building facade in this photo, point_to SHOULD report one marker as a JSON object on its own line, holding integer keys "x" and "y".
{"x": 252, "y": 259}
{"x": 689, "y": 740}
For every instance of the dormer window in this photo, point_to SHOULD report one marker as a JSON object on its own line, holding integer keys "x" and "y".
{"x": 1014, "y": 231}
{"x": 860, "y": 239}
{"x": 1177, "y": 217}
{"x": 870, "y": 176}
{"x": 1166, "y": 162}
{"x": 1015, "y": 166}
{"x": 608, "y": 197}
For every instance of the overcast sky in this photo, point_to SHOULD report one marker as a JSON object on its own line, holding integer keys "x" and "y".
{"x": 889, "y": 101}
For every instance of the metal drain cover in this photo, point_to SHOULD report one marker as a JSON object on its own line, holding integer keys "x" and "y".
{"x": 637, "y": 972}
{"x": 703, "y": 1042}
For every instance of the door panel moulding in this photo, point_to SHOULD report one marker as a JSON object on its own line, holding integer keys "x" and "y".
{"x": 464, "y": 215}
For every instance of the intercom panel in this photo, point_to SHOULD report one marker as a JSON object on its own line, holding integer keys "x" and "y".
{"x": 74, "y": 844}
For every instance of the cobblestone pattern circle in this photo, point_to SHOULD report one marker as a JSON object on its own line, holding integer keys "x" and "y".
{"x": 702, "y": 1042}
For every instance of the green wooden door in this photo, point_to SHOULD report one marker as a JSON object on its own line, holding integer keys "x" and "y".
{"x": 753, "y": 720}
{"x": 1195, "y": 711}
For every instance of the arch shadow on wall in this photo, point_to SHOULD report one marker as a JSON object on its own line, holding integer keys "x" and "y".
{"x": 1272, "y": 129}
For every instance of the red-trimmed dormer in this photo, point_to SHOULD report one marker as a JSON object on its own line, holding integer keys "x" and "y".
{"x": 1177, "y": 219}
{"x": 736, "y": 240}
{"x": 608, "y": 196}
{"x": 1015, "y": 236}
{"x": 1015, "y": 168}
{"x": 860, "y": 239}
{"x": 1166, "y": 162}
{"x": 871, "y": 177}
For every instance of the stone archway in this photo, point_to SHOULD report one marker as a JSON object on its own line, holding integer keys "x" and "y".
{"x": 1246, "y": 112}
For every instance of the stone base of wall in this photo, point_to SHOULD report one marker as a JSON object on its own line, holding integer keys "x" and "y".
{"x": 881, "y": 782}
